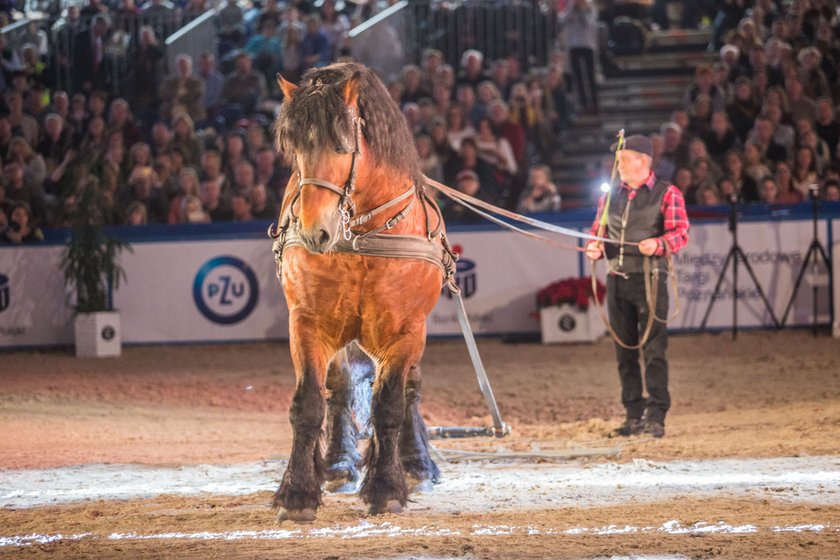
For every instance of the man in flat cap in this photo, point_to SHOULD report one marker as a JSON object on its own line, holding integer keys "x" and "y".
{"x": 650, "y": 213}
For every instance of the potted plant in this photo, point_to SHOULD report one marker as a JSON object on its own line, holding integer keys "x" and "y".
{"x": 91, "y": 268}
{"x": 566, "y": 313}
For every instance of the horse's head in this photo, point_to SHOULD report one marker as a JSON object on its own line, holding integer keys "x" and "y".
{"x": 320, "y": 128}
{"x": 336, "y": 129}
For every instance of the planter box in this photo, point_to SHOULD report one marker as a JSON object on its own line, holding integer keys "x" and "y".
{"x": 98, "y": 334}
{"x": 566, "y": 323}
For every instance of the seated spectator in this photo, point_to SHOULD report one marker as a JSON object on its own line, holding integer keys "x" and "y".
{"x": 743, "y": 108}
{"x": 505, "y": 127}
{"x": 244, "y": 87}
{"x": 675, "y": 151}
{"x": 762, "y": 136}
{"x": 784, "y": 180}
{"x": 21, "y": 123}
{"x": 18, "y": 190}
{"x": 541, "y": 194}
{"x": 754, "y": 164}
{"x": 335, "y": 26}
{"x": 683, "y": 180}
{"x": 192, "y": 212}
{"x": 264, "y": 204}
{"x": 241, "y": 205}
{"x": 735, "y": 170}
{"x": 215, "y": 205}
{"x": 55, "y": 143}
{"x": 468, "y": 160}
{"x": 496, "y": 151}
{"x": 21, "y": 228}
{"x": 700, "y": 116}
{"x": 467, "y": 182}
{"x": 161, "y": 139}
{"x": 34, "y": 168}
{"x": 809, "y": 139}
{"x": 291, "y": 61}
{"x": 663, "y": 168}
{"x": 187, "y": 186}
{"x": 440, "y": 142}
{"x": 243, "y": 178}
{"x": 801, "y": 106}
{"x": 135, "y": 214}
{"x": 185, "y": 139}
{"x": 268, "y": 174}
{"x": 726, "y": 190}
{"x": 708, "y": 195}
{"x": 804, "y": 170}
{"x": 720, "y": 138}
{"x": 413, "y": 90}
{"x": 140, "y": 188}
{"x": 233, "y": 151}
{"x": 704, "y": 84}
{"x": 827, "y": 126}
{"x": 120, "y": 119}
{"x": 769, "y": 190}
{"x": 811, "y": 75}
{"x": 831, "y": 191}
{"x": 182, "y": 91}
{"x": 430, "y": 164}
{"x": 472, "y": 71}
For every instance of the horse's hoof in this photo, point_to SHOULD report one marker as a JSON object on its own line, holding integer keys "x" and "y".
{"x": 342, "y": 486}
{"x": 416, "y": 485}
{"x": 305, "y": 515}
{"x": 391, "y": 506}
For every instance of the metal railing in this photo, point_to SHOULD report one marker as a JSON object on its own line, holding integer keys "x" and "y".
{"x": 194, "y": 38}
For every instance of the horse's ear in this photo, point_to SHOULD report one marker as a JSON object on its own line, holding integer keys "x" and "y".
{"x": 351, "y": 89}
{"x": 287, "y": 87}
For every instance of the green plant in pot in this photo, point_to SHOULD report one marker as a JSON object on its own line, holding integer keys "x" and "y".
{"x": 91, "y": 267}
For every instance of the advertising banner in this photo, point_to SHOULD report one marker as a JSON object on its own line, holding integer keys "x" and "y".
{"x": 200, "y": 290}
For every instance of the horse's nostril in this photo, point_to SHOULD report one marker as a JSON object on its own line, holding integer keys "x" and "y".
{"x": 323, "y": 238}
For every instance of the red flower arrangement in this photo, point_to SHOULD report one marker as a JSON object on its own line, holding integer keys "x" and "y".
{"x": 574, "y": 291}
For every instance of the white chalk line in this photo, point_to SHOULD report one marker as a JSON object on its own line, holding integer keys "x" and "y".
{"x": 387, "y": 529}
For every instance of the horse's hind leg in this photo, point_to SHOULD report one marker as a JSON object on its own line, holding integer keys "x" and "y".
{"x": 384, "y": 485}
{"x": 342, "y": 457}
{"x": 420, "y": 471}
{"x": 299, "y": 494}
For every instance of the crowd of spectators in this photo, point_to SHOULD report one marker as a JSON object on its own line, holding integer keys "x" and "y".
{"x": 195, "y": 145}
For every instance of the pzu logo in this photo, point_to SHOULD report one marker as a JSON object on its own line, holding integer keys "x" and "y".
{"x": 4, "y": 292}
{"x": 225, "y": 290}
{"x": 465, "y": 275}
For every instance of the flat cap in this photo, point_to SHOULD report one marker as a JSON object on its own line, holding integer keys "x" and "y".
{"x": 637, "y": 143}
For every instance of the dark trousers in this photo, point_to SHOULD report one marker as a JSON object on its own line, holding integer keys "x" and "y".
{"x": 629, "y": 313}
{"x": 583, "y": 69}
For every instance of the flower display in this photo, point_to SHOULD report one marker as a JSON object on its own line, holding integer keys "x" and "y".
{"x": 574, "y": 291}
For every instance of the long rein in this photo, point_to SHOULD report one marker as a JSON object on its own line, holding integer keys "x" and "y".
{"x": 486, "y": 210}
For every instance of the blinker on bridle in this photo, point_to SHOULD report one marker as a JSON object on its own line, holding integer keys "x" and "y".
{"x": 345, "y": 203}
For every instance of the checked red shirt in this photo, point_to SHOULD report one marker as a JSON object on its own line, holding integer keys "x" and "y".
{"x": 673, "y": 210}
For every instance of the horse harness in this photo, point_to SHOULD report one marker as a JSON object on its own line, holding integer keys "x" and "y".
{"x": 375, "y": 242}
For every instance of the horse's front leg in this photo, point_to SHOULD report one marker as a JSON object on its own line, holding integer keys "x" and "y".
{"x": 342, "y": 457}
{"x": 299, "y": 494}
{"x": 420, "y": 470}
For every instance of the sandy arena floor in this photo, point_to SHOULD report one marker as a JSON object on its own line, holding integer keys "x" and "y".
{"x": 175, "y": 452}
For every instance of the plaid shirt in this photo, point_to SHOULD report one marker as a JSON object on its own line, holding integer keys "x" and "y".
{"x": 673, "y": 210}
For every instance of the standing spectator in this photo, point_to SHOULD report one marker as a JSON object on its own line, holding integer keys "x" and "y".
{"x": 315, "y": 46}
{"x": 244, "y": 86}
{"x": 160, "y": 14}
{"x": 146, "y": 71}
{"x": 89, "y": 60}
{"x": 213, "y": 83}
{"x": 231, "y": 22}
{"x": 264, "y": 48}
{"x": 556, "y": 100}
{"x": 335, "y": 26}
{"x": 182, "y": 91}
{"x": 541, "y": 195}
{"x": 580, "y": 21}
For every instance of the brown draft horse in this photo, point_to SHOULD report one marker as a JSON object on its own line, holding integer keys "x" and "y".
{"x": 355, "y": 177}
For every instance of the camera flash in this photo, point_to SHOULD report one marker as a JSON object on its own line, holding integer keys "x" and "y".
{"x": 605, "y": 187}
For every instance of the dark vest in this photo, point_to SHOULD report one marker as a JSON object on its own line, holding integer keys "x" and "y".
{"x": 644, "y": 220}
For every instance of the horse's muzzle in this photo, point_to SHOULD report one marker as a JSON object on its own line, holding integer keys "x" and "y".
{"x": 318, "y": 241}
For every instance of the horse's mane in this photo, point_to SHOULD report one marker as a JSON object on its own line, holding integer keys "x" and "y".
{"x": 316, "y": 120}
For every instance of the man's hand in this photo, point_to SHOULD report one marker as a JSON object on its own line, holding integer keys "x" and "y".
{"x": 649, "y": 246}
{"x": 593, "y": 250}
